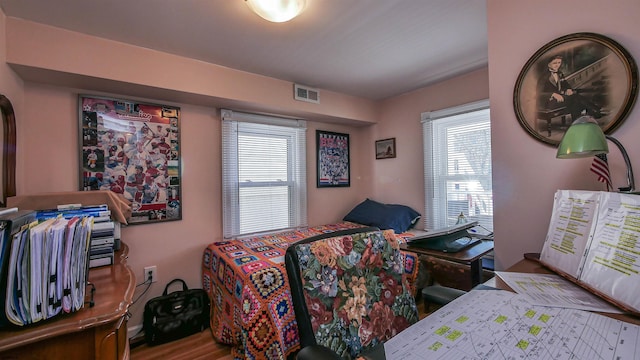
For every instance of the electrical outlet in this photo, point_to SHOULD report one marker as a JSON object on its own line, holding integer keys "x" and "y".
{"x": 151, "y": 270}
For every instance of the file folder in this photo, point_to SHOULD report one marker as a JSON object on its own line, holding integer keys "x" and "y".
{"x": 10, "y": 224}
{"x": 45, "y": 267}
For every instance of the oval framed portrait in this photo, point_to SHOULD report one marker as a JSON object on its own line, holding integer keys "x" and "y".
{"x": 575, "y": 75}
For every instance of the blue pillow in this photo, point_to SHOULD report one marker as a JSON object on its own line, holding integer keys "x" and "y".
{"x": 400, "y": 218}
{"x": 404, "y": 216}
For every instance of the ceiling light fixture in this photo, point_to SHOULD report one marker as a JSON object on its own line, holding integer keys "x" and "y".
{"x": 277, "y": 10}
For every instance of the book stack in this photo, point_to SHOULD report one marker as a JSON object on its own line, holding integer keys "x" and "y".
{"x": 103, "y": 241}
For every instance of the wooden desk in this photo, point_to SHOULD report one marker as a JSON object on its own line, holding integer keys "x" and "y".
{"x": 534, "y": 267}
{"x": 471, "y": 256}
{"x": 98, "y": 332}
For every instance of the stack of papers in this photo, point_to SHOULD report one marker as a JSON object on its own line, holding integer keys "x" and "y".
{"x": 47, "y": 269}
{"x": 593, "y": 240}
{"x": 497, "y": 324}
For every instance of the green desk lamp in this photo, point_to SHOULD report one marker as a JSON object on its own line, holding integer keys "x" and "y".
{"x": 585, "y": 138}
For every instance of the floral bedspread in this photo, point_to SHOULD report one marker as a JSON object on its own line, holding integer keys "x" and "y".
{"x": 251, "y": 306}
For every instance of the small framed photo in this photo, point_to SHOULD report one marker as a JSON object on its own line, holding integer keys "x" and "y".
{"x": 332, "y": 150}
{"x": 386, "y": 148}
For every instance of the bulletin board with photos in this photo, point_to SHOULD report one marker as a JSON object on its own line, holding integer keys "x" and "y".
{"x": 132, "y": 148}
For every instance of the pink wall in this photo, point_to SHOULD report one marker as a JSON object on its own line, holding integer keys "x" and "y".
{"x": 83, "y": 61}
{"x": 49, "y": 124}
{"x": 48, "y": 149}
{"x": 526, "y": 173}
{"x": 401, "y": 179}
{"x": 47, "y": 128}
{"x": 12, "y": 85}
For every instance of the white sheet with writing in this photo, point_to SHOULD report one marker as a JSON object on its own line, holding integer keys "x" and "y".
{"x": 569, "y": 229}
{"x": 554, "y": 290}
{"x": 612, "y": 265}
{"x": 496, "y": 324}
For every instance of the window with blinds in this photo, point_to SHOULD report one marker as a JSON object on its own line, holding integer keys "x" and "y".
{"x": 264, "y": 173}
{"x": 457, "y": 165}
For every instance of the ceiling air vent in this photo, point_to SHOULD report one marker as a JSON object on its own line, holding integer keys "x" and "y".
{"x": 305, "y": 93}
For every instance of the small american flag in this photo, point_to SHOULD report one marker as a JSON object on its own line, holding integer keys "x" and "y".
{"x": 601, "y": 168}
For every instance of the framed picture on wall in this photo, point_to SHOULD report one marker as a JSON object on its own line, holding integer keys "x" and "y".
{"x": 572, "y": 76}
{"x": 332, "y": 150}
{"x": 132, "y": 148}
{"x": 386, "y": 148}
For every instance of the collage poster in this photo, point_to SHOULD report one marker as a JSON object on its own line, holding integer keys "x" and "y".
{"x": 132, "y": 149}
{"x": 333, "y": 159}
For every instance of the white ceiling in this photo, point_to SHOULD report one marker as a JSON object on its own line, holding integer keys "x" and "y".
{"x": 369, "y": 48}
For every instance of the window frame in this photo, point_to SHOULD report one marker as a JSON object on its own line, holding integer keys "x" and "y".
{"x": 436, "y": 205}
{"x": 294, "y": 131}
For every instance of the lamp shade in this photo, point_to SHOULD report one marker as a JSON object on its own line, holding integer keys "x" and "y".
{"x": 277, "y": 10}
{"x": 584, "y": 138}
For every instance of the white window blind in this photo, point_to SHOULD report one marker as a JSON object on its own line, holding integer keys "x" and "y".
{"x": 457, "y": 165}
{"x": 264, "y": 173}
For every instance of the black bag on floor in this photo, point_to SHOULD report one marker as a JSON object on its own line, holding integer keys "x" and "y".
{"x": 175, "y": 315}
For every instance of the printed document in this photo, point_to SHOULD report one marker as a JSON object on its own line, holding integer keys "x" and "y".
{"x": 569, "y": 229}
{"x": 594, "y": 238}
{"x": 497, "y": 324}
{"x": 554, "y": 290}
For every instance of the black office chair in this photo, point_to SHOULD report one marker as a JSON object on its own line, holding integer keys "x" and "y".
{"x": 349, "y": 293}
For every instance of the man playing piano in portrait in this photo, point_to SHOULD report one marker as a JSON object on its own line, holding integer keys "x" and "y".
{"x": 554, "y": 92}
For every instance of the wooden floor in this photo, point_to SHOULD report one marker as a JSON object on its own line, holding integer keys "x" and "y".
{"x": 200, "y": 347}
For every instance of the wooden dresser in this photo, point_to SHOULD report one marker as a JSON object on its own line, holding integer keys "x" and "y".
{"x": 98, "y": 332}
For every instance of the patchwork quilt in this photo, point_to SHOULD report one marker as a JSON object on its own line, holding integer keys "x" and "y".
{"x": 251, "y": 306}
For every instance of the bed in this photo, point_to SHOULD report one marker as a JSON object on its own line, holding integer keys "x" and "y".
{"x": 251, "y": 302}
